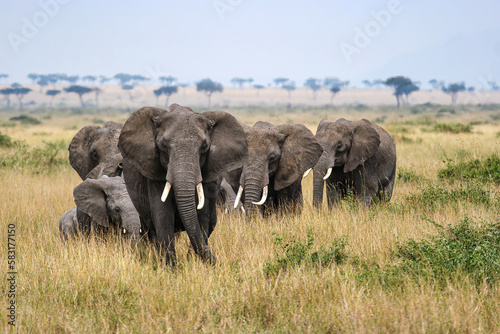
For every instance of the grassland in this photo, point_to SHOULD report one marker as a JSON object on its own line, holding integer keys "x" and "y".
{"x": 427, "y": 261}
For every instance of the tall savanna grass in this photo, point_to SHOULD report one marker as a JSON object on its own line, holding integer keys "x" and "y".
{"x": 402, "y": 266}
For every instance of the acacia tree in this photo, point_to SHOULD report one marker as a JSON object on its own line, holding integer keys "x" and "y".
{"x": 6, "y": 93}
{"x": 90, "y": 78}
{"x": 128, "y": 88}
{"x": 167, "y": 80}
{"x": 280, "y": 81}
{"x": 402, "y": 86}
{"x": 238, "y": 81}
{"x": 453, "y": 89}
{"x": 334, "y": 90}
{"x": 289, "y": 86}
{"x": 80, "y": 90}
{"x": 208, "y": 87}
{"x": 20, "y": 92}
{"x": 123, "y": 78}
{"x": 52, "y": 93}
{"x": 168, "y": 91}
{"x": 258, "y": 87}
{"x": 314, "y": 84}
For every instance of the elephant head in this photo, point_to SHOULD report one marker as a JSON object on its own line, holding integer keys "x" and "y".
{"x": 104, "y": 202}
{"x": 185, "y": 150}
{"x": 278, "y": 156}
{"x": 93, "y": 145}
{"x": 346, "y": 145}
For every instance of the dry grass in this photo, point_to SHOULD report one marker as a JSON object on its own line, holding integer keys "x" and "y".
{"x": 92, "y": 286}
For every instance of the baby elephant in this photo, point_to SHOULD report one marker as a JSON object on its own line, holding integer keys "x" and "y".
{"x": 101, "y": 204}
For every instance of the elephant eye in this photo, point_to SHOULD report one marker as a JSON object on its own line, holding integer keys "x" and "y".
{"x": 339, "y": 146}
{"x": 273, "y": 158}
{"x": 204, "y": 147}
{"x": 94, "y": 154}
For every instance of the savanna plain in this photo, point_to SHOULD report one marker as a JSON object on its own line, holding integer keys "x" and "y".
{"x": 427, "y": 261}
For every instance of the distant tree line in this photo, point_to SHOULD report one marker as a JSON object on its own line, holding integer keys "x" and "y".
{"x": 403, "y": 86}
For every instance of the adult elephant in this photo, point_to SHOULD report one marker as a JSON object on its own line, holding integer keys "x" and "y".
{"x": 101, "y": 204}
{"x": 93, "y": 150}
{"x": 357, "y": 155}
{"x": 278, "y": 156}
{"x": 189, "y": 152}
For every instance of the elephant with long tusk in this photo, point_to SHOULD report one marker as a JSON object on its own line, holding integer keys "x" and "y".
{"x": 278, "y": 159}
{"x": 173, "y": 161}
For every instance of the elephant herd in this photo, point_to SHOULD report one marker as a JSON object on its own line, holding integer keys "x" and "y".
{"x": 166, "y": 171}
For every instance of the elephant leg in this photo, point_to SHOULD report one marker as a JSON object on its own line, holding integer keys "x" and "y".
{"x": 290, "y": 198}
{"x": 207, "y": 216}
{"x": 163, "y": 217}
{"x": 365, "y": 185}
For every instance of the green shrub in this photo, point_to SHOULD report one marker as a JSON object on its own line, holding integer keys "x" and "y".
{"x": 404, "y": 175}
{"x": 37, "y": 160}
{"x": 469, "y": 248}
{"x": 448, "y": 110}
{"x": 26, "y": 119}
{"x": 292, "y": 253}
{"x": 433, "y": 195}
{"x": 5, "y": 141}
{"x": 452, "y": 127}
{"x": 485, "y": 170}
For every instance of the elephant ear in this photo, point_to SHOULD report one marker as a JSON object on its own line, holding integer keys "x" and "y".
{"x": 90, "y": 199}
{"x": 299, "y": 152}
{"x": 79, "y": 147}
{"x": 365, "y": 142}
{"x": 228, "y": 148}
{"x": 137, "y": 143}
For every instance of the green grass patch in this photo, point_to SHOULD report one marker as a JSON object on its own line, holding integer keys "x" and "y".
{"x": 452, "y": 127}
{"x": 407, "y": 176}
{"x": 6, "y": 141}
{"x": 293, "y": 253}
{"x": 434, "y": 195}
{"x": 482, "y": 170}
{"x": 37, "y": 160}
{"x": 468, "y": 247}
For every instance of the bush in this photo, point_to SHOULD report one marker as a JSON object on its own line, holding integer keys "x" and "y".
{"x": 486, "y": 170}
{"x": 404, "y": 175}
{"x": 25, "y": 119}
{"x": 469, "y": 248}
{"x": 5, "y": 141}
{"x": 293, "y": 253}
{"x": 38, "y": 160}
{"x": 452, "y": 127}
{"x": 434, "y": 194}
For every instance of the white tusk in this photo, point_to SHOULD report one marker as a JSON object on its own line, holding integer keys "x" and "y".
{"x": 140, "y": 230}
{"x": 124, "y": 231}
{"x": 201, "y": 196}
{"x": 307, "y": 172}
{"x": 166, "y": 191}
{"x": 264, "y": 197}
{"x": 242, "y": 209}
{"x": 328, "y": 172}
{"x": 238, "y": 197}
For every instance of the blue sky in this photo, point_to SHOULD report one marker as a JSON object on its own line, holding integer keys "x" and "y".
{"x": 221, "y": 39}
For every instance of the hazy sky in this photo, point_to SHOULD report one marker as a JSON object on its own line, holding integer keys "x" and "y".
{"x": 353, "y": 40}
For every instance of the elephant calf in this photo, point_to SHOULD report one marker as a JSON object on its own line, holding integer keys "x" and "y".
{"x": 101, "y": 204}
{"x": 358, "y": 156}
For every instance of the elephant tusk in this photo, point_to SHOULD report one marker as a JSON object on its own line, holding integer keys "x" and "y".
{"x": 328, "y": 172}
{"x": 166, "y": 191}
{"x": 307, "y": 172}
{"x": 124, "y": 231}
{"x": 201, "y": 196}
{"x": 238, "y": 197}
{"x": 264, "y": 197}
{"x": 242, "y": 209}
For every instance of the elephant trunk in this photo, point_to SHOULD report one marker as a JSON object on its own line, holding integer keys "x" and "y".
{"x": 253, "y": 193}
{"x": 131, "y": 223}
{"x": 318, "y": 183}
{"x": 184, "y": 184}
